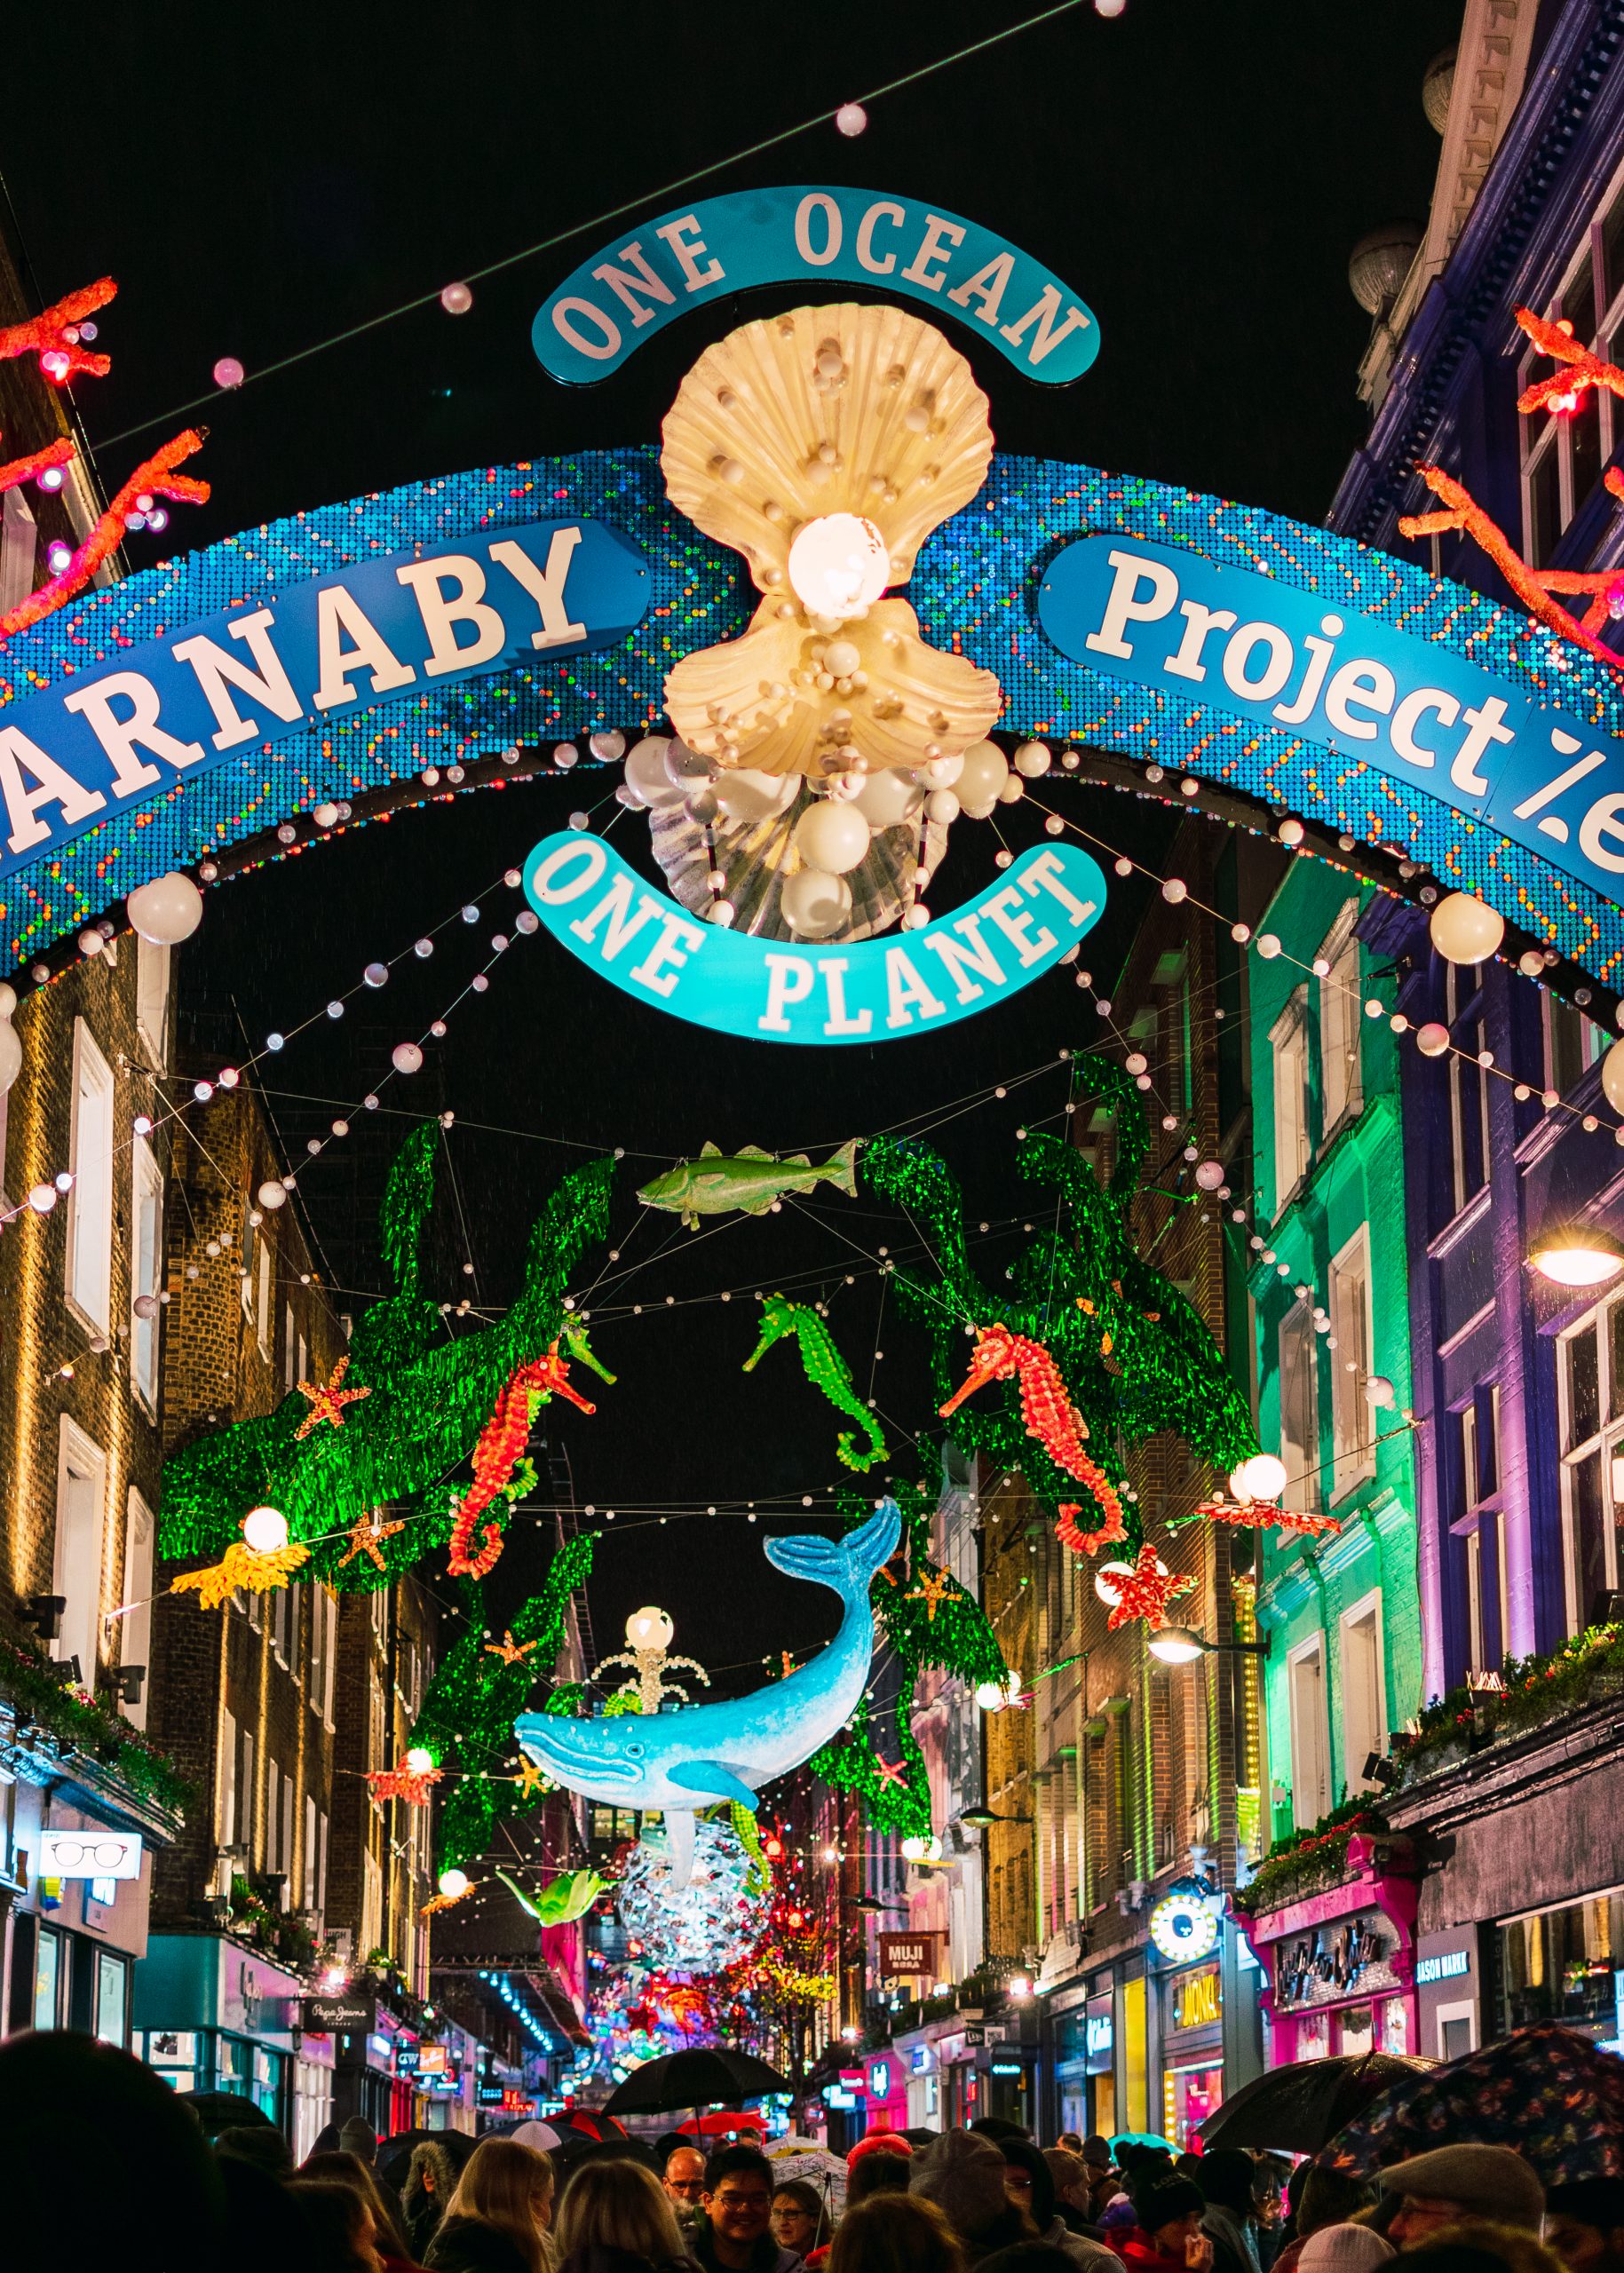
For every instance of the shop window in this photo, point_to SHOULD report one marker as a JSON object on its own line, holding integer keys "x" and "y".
{"x": 1561, "y": 1965}
{"x": 90, "y": 1201}
{"x": 1590, "y": 1387}
{"x": 1299, "y": 1361}
{"x": 146, "y": 1263}
{"x": 1352, "y": 1427}
{"x": 152, "y": 1000}
{"x": 1310, "y": 1780}
{"x": 1457, "y": 2032}
{"x": 1363, "y": 1704}
{"x": 1340, "y": 1010}
{"x": 49, "y": 1978}
{"x": 111, "y": 1997}
{"x": 135, "y": 1626}
{"x": 1288, "y": 1038}
{"x": 82, "y": 1496}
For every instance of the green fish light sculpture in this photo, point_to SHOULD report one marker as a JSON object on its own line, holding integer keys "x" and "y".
{"x": 753, "y": 1181}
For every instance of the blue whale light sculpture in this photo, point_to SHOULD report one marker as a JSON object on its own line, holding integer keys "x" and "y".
{"x": 688, "y": 1758}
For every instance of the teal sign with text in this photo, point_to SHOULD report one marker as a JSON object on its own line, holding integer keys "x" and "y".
{"x": 813, "y": 239}
{"x": 775, "y": 990}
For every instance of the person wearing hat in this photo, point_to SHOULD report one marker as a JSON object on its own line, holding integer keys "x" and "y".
{"x": 1469, "y": 2181}
{"x": 1167, "y": 2237}
{"x": 1226, "y": 2178}
{"x": 1584, "y": 2224}
{"x": 962, "y": 2173}
{"x": 1344, "y": 2249}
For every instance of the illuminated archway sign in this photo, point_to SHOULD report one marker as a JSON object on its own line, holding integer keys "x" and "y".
{"x": 393, "y": 639}
{"x": 766, "y": 990}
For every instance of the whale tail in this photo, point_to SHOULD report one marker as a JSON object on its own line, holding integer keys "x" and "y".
{"x": 847, "y": 1564}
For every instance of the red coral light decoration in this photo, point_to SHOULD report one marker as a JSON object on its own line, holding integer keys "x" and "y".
{"x": 1147, "y": 1592}
{"x": 1050, "y": 1415}
{"x": 412, "y": 1784}
{"x": 154, "y": 477}
{"x": 1260, "y": 1515}
{"x": 502, "y": 1442}
{"x": 45, "y": 335}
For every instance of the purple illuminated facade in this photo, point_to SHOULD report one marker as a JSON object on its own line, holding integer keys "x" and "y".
{"x": 1518, "y": 1386}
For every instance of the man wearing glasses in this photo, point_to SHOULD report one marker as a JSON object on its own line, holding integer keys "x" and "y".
{"x": 733, "y": 2234}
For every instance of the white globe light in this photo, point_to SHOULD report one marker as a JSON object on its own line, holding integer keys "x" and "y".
{"x": 649, "y": 1629}
{"x": 1265, "y": 1477}
{"x": 1032, "y": 759}
{"x": 831, "y": 837}
{"x": 43, "y": 1198}
{"x": 419, "y": 1759}
{"x": 942, "y": 807}
{"x": 406, "y": 1058}
{"x": 1432, "y": 1040}
{"x": 167, "y": 910}
{"x": 1268, "y": 946}
{"x": 746, "y": 795}
{"x": 265, "y": 1530}
{"x": 990, "y": 1695}
{"x": 646, "y": 776}
{"x": 457, "y": 300}
{"x": 10, "y": 1054}
{"x": 838, "y": 563}
{"x": 915, "y": 1849}
{"x": 1379, "y": 1390}
{"x": 272, "y": 1193}
{"x": 981, "y": 779}
{"x": 815, "y": 904}
{"x": 889, "y": 797}
{"x": 1613, "y": 1077}
{"x": 1464, "y": 931}
{"x": 453, "y": 1883}
{"x": 1209, "y": 1175}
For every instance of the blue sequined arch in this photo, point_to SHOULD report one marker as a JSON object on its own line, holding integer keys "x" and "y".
{"x": 974, "y": 590}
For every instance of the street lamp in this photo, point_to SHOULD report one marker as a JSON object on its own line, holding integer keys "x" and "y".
{"x": 1575, "y": 1255}
{"x": 1182, "y": 1645}
{"x": 984, "y": 1818}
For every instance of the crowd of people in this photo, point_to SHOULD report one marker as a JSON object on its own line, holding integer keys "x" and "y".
{"x": 169, "y": 2200}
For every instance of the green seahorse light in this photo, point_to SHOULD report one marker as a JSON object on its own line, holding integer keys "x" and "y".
{"x": 824, "y": 1368}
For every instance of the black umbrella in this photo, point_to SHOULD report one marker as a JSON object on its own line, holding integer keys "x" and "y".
{"x": 394, "y": 2155}
{"x": 1301, "y": 2106}
{"x": 223, "y": 2111}
{"x": 693, "y": 2080}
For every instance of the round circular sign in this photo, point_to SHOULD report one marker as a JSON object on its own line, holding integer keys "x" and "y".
{"x": 1184, "y": 1926}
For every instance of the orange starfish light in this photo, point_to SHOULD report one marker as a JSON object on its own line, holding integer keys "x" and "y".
{"x": 327, "y": 1399}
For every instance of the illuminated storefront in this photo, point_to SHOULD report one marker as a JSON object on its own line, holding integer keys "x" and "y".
{"x": 1192, "y": 2047}
{"x": 1341, "y": 1963}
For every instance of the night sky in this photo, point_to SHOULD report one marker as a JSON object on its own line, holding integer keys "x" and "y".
{"x": 261, "y": 180}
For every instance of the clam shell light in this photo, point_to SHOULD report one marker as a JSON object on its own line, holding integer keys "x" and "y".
{"x": 826, "y": 411}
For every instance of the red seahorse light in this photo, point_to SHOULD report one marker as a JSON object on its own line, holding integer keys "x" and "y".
{"x": 1051, "y": 1418}
{"x": 501, "y": 1441}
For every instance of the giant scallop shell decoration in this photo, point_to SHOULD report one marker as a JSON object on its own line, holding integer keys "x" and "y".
{"x": 834, "y": 419}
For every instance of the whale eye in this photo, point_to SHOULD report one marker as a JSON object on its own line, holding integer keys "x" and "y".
{"x": 634, "y": 1752}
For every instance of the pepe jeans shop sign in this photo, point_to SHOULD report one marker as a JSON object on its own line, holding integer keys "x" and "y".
{"x": 811, "y": 238}
{"x": 1226, "y": 639}
{"x": 868, "y": 991}
{"x": 173, "y": 708}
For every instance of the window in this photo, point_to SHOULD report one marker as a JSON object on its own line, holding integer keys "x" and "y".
{"x": 82, "y": 1497}
{"x": 287, "y": 1838}
{"x": 262, "y": 1301}
{"x": 1310, "y": 1781}
{"x": 90, "y": 1203}
{"x": 1339, "y": 1020}
{"x": 310, "y": 1853}
{"x": 152, "y": 1000}
{"x": 1572, "y": 1044}
{"x": 1352, "y": 1429}
{"x": 1468, "y": 1088}
{"x": 48, "y": 1977}
{"x": 111, "y": 1997}
{"x": 1299, "y": 1407}
{"x": 289, "y": 1355}
{"x": 247, "y": 1826}
{"x": 134, "y": 1628}
{"x": 1478, "y": 1518}
{"x": 321, "y": 1859}
{"x": 251, "y": 1246}
{"x": 1363, "y": 1706}
{"x": 225, "y": 1821}
{"x": 272, "y": 1815}
{"x": 1590, "y": 1385}
{"x": 1563, "y": 454}
{"x": 1289, "y": 1038}
{"x": 146, "y": 1261}
{"x": 18, "y": 549}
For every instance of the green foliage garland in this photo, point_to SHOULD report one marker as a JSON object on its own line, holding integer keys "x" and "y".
{"x": 466, "y": 1719}
{"x": 949, "y": 1632}
{"x": 1135, "y": 1356}
{"x": 29, "y": 1683}
{"x": 429, "y": 1397}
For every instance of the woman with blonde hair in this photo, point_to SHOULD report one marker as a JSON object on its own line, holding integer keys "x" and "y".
{"x": 498, "y": 2216}
{"x": 895, "y": 2233}
{"x": 616, "y": 2217}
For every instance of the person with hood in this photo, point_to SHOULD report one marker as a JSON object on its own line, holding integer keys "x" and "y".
{"x": 962, "y": 2174}
{"x": 1227, "y": 2178}
{"x": 1030, "y": 2185}
{"x": 616, "y": 2217}
{"x": 1168, "y": 2236}
{"x": 734, "y": 2235}
{"x": 430, "y": 2181}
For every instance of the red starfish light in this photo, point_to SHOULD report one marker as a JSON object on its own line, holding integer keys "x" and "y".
{"x": 1260, "y": 1515}
{"x": 508, "y": 1650}
{"x": 1147, "y": 1592}
{"x": 327, "y": 1399}
{"x": 892, "y": 1772}
{"x": 931, "y": 1592}
{"x": 530, "y": 1779}
{"x": 370, "y": 1530}
{"x": 412, "y": 1784}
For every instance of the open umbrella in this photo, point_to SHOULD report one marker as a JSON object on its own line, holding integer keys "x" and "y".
{"x": 693, "y": 2080}
{"x": 223, "y": 2111}
{"x": 394, "y": 2154}
{"x": 1551, "y": 2094}
{"x": 717, "y": 2125}
{"x": 795, "y": 2157}
{"x": 1300, "y": 2107}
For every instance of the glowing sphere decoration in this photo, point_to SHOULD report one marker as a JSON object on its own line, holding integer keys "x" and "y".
{"x": 1184, "y": 1924}
{"x": 712, "y": 1922}
{"x": 838, "y": 563}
